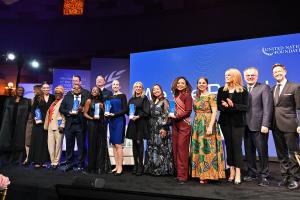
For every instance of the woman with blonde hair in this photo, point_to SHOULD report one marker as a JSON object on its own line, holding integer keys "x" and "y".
{"x": 232, "y": 101}
{"x": 117, "y": 122}
{"x": 137, "y": 129}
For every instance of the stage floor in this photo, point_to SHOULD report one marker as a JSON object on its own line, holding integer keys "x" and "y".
{"x": 29, "y": 183}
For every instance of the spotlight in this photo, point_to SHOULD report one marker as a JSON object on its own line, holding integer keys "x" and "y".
{"x": 35, "y": 64}
{"x": 11, "y": 56}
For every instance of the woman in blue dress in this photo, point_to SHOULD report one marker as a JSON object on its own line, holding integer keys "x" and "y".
{"x": 117, "y": 124}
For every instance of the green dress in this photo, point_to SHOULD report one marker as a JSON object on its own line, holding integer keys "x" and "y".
{"x": 206, "y": 150}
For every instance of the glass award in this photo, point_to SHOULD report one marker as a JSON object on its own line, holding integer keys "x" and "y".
{"x": 59, "y": 121}
{"x": 97, "y": 111}
{"x": 172, "y": 107}
{"x": 38, "y": 116}
{"x": 131, "y": 111}
{"x": 75, "y": 106}
{"x": 107, "y": 107}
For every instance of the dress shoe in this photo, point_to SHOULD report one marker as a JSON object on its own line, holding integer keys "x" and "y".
{"x": 249, "y": 178}
{"x": 283, "y": 183}
{"x": 263, "y": 182}
{"x": 134, "y": 170}
{"x": 293, "y": 185}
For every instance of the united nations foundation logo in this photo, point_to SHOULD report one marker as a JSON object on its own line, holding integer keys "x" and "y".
{"x": 276, "y": 50}
{"x": 115, "y": 75}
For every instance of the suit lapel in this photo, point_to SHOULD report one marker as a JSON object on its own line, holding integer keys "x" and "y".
{"x": 284, "y": 90}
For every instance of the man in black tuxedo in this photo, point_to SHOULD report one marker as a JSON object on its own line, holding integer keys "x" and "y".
{"x": 75, "y": 128}
{"x": 286, "y": 126}
{"x": 259, "y": 117}
{"x": 100, "y": 83}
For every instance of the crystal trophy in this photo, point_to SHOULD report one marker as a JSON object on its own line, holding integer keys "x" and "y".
{"x": 97, "y": 111}
{"x": 107, "y": 107}
{"x": 131, "y": 111}
{"x": 38, "y": 116}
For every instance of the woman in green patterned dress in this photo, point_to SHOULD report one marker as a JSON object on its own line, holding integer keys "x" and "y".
{"x": 207, "y": 150}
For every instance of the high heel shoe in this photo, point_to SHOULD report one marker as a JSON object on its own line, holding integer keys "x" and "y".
{"x": 203, "y": 181}
{"x": 113, "y": 171}
{"x": 118, "y": 173}
{"x": 230, "y": 180}
{"x": 237, "y": 181}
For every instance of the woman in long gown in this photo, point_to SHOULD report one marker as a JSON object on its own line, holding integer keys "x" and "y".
{"x": 98, "y": 159}
{"x": 138, "y": 126}
{"x": 12, "y": 133}
{"x": 38, "y": 151}
{"x": 159, "y": 159}
{"x": 206, "y": 149}
{"x": 117, "y": 124}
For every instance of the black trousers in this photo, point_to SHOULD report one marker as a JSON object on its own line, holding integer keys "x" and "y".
{"x": 233, "y": 140}
{"x": 138, "y": 154}
{"x": 76, "y": 131}
{"x": 286, "y": 145}
{"x": 257, "y": 141}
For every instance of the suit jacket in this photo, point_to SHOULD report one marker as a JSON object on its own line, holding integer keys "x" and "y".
{"x": 106, "y": 94}
{"x": 260, "y": 107}
{"x": 287, "y": 108}
{"x": 67, "y": 105}
{"x": 236, "y": 115}
{"x": 52, "y": 124}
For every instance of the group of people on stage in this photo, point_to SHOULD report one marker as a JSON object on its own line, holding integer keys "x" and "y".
{"x": 176, "y": 145}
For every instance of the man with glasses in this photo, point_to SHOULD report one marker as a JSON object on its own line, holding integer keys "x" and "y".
{"x": 286, "y": 126}
{"x": 258, "y": 119}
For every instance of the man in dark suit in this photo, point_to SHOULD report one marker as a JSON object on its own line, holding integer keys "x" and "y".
{"x": 100, "y": 83}
{"x": 74, "y": 128}
{"x": 258, "y": 116}
{"x": 286, "y": 126}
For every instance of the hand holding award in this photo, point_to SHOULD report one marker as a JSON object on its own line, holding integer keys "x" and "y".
{"x": 131, "y": 111}
{"x": 107, "y": 108}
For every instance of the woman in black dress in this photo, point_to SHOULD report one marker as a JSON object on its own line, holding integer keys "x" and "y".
{"x": 137, "y": 129}
{"x": 38, "y": 151}
{"x": 98, "y": 159}
{"x": 159, "y": 159}
{"x": 12, "y": 133}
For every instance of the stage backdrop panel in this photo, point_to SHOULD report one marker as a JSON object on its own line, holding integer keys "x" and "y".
{"x": 114, "y": 69}
{"x": 64, "y": 77}
{"x": 211, "y": 61}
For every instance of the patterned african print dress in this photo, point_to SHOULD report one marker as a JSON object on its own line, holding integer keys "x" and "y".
{"x": 206, "y": 150}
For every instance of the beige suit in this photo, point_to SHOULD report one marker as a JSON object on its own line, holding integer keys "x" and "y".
{"x": 54, "y": 137}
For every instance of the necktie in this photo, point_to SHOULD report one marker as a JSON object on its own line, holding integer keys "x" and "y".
{"x": 249, "y": 88}
{"x": 277, "y": 91}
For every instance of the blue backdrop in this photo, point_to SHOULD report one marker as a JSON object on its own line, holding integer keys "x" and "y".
{"x": 211, "y": 60}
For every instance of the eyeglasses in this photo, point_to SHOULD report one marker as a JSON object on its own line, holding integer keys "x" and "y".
{"x": 250, "y": 75}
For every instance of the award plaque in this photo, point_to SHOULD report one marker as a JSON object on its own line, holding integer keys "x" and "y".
{"x": 38, "y": 116}
{"x": 107, "y": 107}
{"x": 75, "y": 106}
{"x": 172, "y": 107}
{"x": 97, "y": 111}
{"x": 131, "y": 111}
{"x": 59, "y": 121}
